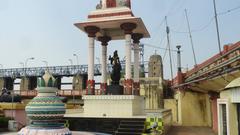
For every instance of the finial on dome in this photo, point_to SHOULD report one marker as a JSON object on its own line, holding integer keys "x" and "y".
{"x": 47, "y": 80}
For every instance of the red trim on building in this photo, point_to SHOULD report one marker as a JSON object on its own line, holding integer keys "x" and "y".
{"x": 212, "y": 59}
{"x": 111, "y": 14}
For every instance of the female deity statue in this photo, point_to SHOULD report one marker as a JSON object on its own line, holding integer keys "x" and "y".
{"x": 116, "y": 68}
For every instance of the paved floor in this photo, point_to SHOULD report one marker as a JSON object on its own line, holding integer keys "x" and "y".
{"x": 178, "y": 130}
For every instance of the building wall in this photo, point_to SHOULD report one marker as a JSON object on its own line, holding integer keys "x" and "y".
{"x": 152, "y": 89}
{"x": 193, "y": 109}
{"x": 232, "y": 112}
{"x": 19, "y": 116}
{"x": 16, "y": 110}
{"x": 171, "y": 104}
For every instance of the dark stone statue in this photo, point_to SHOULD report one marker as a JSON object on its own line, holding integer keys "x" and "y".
{"x": 116, "y": 68}
{"x": 115, "y": 88}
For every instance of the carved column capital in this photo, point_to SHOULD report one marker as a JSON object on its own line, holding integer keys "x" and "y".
{"x": 136, "y": 37}
{"x": 104, "y": 40}
{"x": 128, "y": 27}
{"x": 91, "y": 30}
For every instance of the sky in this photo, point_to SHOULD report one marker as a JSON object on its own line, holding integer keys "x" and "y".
{"x": 44, "y": 29}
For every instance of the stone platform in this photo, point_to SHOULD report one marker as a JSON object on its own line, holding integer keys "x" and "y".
{"x": 113, "y": 105}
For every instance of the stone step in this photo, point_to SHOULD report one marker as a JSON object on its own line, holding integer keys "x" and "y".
{"x": 135, "y": 126}
{"x": 127, "y": 133}
{"x": 132, "y": 122}
{"x": 131, "y": 127}
{"x": 135, "y": 130}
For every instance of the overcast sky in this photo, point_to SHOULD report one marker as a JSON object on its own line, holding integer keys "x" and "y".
{"x": 44, "y": 29}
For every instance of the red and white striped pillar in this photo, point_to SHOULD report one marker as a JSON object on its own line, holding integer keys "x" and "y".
{"x": 128, "y": 28}
{"x": 91, "y": 30}
{"x": 136, "y": 40}
{"x": 103, "y": 86}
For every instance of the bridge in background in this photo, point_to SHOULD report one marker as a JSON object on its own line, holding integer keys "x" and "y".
{"x": 57, "y": 70}
{"x": 29, "y": 76}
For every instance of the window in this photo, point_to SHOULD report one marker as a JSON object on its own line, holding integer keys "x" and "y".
{"x": 223, "y": 125}
{"x": 224, "y": 119}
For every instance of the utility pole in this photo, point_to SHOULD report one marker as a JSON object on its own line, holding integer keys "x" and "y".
{"x": 216, "y": 20}
{"x": 191, "y": 40}
{"x": 169, "y": 47}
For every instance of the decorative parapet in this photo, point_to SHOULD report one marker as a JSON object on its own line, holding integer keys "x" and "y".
{"x": 112, "y": 97}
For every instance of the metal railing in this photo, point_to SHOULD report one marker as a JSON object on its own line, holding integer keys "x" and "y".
{"x": 65, "y": 92}
{"x": 56, "y": 70}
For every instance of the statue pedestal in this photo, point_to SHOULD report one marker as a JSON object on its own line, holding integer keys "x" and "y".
{"x": 113, "y": 106}
{"x": 114, "y": 89}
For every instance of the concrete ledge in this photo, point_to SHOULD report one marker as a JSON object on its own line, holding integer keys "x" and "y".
{"x": 12, "y": 106}
{"x": 113, "y": 105}
{"x": 111, "y": 97}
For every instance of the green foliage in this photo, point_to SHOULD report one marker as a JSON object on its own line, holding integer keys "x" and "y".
{"x": 4, "y": 122}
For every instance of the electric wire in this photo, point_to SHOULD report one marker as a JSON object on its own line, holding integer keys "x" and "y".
{"x": 209, "y": 23}
{"x": 228, "y": 11}
{"x": 196, "y": 30}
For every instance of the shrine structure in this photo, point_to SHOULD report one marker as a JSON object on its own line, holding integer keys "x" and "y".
{"x": 114, "y": 20}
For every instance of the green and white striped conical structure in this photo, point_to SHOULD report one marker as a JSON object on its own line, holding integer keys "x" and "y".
{"x": 46, "y": 110}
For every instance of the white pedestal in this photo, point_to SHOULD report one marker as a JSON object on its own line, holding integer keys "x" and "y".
{"x": 113, "y": 105}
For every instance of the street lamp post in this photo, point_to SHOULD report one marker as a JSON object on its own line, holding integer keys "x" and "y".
{"x": 1, "y": 68}
{"x": 22, "y": 64}
{"x": 46, "y": 63}
{"x": 76, "y": 58}
{"x": 25, "y": 69}
{"x": 31, "y": 58}
{"x": 71, "y": 62}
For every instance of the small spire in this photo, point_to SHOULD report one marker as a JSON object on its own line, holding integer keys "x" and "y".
{"x": 47, "y": 80}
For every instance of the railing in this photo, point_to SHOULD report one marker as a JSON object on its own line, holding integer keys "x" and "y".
{"x": 70, "y": 92}
{"x": 57, "y": 70}
{"x": 66, "y": 92}
{"x": 27, "y": 93}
